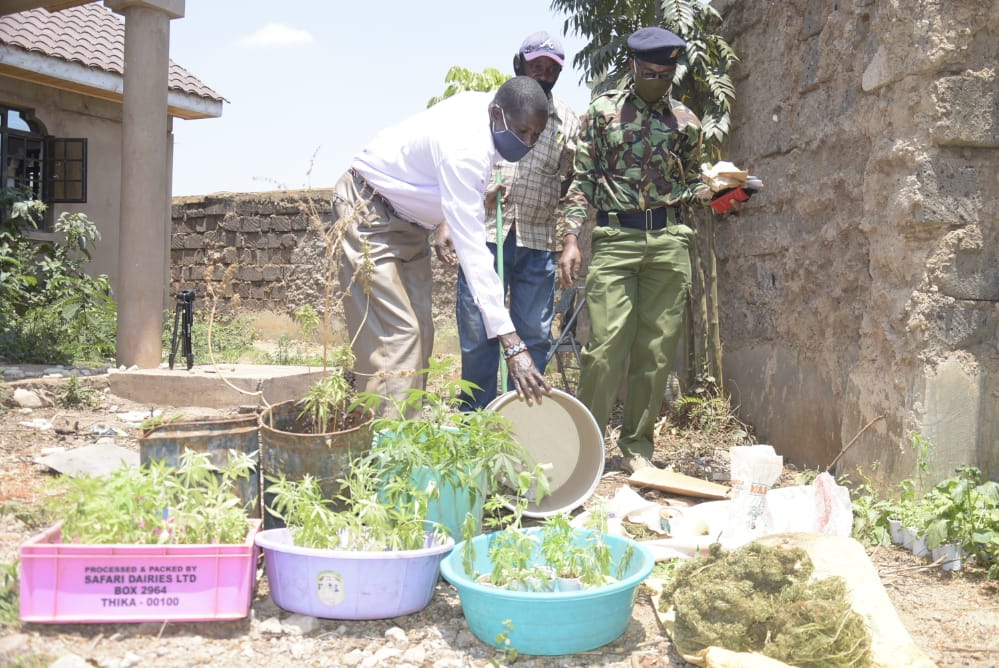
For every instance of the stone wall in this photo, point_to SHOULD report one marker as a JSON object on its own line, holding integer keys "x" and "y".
{"x": 265, "y": 252}
{"x": 262, "y": 251}
{"x": 860, "y": 289}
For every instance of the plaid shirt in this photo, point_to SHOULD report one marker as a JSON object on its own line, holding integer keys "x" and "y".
{"x": 534, "y": 184}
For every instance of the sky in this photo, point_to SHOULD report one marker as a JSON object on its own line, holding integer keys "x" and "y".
{"x": 309, "y": 82}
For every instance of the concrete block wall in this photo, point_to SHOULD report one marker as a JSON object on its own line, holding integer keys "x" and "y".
{"x": 260, "y": 251}
{"x": 266, "y": 252}
{"x": 860, "y": 290}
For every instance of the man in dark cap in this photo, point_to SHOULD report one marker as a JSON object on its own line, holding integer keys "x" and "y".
{"x": 636, "y": 164}
{"x": 531, "y": 213}
{"x": 656, "y": 45}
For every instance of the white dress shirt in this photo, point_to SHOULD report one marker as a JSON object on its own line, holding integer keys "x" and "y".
{"x": 435, "y": 166}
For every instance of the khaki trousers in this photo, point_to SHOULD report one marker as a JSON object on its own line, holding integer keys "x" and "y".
{"x": 636, "y": 287}
{"x": 385, "y": 270}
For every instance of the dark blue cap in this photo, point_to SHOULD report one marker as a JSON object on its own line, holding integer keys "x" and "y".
{"x": 656, "y": 45}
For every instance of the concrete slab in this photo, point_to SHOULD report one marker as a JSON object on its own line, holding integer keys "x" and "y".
{"x": 224, "y": 386}
{"x": 91, "y": 460}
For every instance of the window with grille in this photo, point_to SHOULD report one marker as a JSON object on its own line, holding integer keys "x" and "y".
{"x": 66, "y": 170}
{"x": 36, "y": 166}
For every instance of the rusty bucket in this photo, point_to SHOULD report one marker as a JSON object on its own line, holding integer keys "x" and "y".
{"x": 287, "y": 448}
{"x": 214, "y": 436}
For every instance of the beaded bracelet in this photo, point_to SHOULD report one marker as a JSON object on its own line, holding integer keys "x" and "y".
{"x": 514, "y": 350}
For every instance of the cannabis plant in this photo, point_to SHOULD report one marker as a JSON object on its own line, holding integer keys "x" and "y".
{"x": 476, "y": 451}
{"x": 193, "y": 503}
{"x": 370, "y": 517}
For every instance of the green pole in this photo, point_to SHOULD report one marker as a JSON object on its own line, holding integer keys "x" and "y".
{"x": 499, "y": 272}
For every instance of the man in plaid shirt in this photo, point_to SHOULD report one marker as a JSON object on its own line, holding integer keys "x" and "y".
{"x": 533, "y": 188}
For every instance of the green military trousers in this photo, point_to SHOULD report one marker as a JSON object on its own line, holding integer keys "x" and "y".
{"x": 636, "y": 287}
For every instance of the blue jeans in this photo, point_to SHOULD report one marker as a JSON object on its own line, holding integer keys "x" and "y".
{"x": 529, "y": 278}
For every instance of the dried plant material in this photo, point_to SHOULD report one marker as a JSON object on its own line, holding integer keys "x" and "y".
{"x": 762, "y": 599}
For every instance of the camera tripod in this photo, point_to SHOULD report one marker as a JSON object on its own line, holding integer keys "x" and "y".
{"x": 185, "y": 313}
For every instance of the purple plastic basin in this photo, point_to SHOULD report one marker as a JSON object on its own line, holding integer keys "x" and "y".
{"x": 342, "y": 584}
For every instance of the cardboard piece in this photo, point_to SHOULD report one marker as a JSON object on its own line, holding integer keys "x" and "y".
{"x": 723, "y": 175}
{"x": 678, "y": 483}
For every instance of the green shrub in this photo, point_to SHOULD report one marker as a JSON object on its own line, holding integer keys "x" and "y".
{"x": 964, "y": 510}
{"x": 292, "y": 352}
{"x": 75, "y": 394}
{"x": 51, "y": 311}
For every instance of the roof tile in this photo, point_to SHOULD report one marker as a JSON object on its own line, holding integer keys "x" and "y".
{"x": 90, "y": 35}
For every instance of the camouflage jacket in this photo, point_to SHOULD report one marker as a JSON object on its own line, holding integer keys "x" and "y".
{"x": 632, "y": 155}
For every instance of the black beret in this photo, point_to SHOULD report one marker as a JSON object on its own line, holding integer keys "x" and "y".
{"x": 656, "y": 45}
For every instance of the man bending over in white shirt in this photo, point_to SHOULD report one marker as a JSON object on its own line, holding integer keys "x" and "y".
{"x": 431, "y": 168}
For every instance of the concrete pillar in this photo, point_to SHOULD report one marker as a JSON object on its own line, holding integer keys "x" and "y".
{"x": 145, "y": 180}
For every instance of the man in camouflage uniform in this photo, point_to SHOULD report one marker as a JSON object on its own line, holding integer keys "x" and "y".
{"x": 636, "y": 164}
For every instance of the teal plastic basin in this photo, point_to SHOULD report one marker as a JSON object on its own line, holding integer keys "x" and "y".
{"x": 548, "y": 623}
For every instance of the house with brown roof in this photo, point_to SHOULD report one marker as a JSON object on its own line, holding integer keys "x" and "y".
{"x": 88, "y": 98}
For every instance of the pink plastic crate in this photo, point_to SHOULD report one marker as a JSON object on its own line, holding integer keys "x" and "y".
{"x": 70, "y": 583}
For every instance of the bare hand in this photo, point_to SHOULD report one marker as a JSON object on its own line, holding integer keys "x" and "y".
{"x": 734, "y": 207}
{"x": 737, "y": 205}
{"x": 570, "y": 262}
{"x": 531, "y": 386}
{"x": 527, "y": 379}
{"x": 443, "y": 245}
{"x": 493, "y": 190}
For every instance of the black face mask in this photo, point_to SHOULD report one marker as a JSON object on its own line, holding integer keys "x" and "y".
{"x": 546, "y": 86}
{"x": 509, "y": 145}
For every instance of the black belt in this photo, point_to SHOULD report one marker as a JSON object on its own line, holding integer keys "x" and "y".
{"x": 649, "y": 219}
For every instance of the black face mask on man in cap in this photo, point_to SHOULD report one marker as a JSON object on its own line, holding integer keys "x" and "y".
{"x": 544, "y": 70}
{"x": 655, "y": 53}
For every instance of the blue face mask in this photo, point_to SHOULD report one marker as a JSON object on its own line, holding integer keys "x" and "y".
{"x": 508, "y": 143}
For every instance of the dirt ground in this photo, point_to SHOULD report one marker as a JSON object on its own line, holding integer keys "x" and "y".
{"x": 952, "y": 617}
